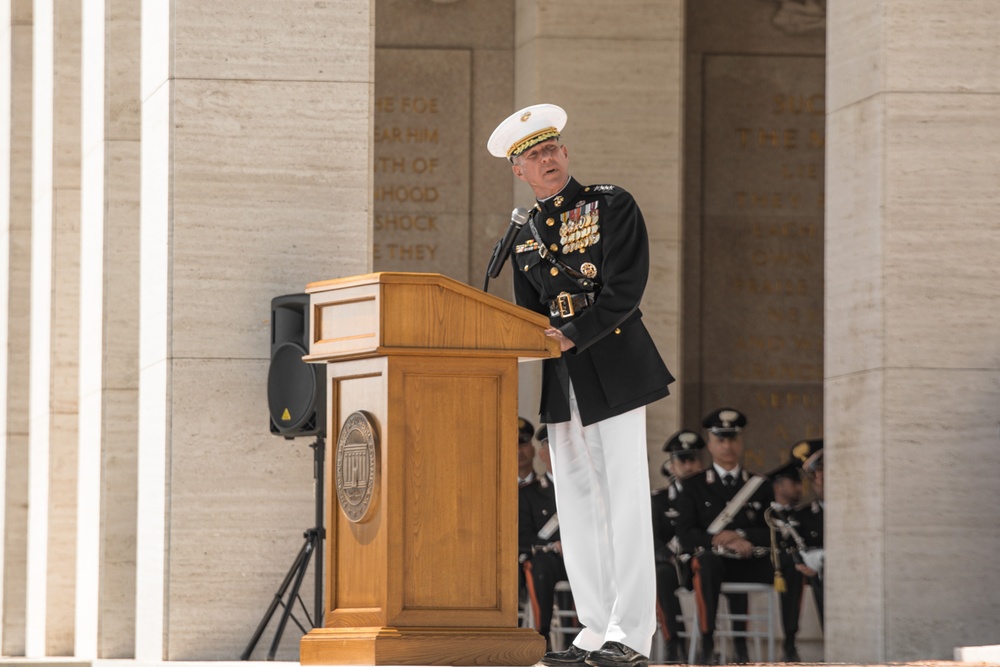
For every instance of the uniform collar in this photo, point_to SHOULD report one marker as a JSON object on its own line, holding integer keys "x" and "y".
{"x": 565, "y": 199}
{"x": 720, "y": 471}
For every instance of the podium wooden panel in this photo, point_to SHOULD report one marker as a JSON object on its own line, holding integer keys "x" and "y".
{"x": 430, "y": 576}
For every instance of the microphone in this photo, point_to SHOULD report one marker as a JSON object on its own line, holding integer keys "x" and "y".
{"x": 518, "y": 217}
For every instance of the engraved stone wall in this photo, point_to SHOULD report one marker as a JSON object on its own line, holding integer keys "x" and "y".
{"x": 421, "y": 194}
{"x": 762, "y": 246}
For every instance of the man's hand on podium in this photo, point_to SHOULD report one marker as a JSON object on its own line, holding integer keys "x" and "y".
{"x": 564, "y": 343}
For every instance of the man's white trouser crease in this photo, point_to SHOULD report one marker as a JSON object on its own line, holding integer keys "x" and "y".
{"x": 603, "y": 500}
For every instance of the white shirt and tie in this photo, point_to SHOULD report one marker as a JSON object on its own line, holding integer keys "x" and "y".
{"x": 727, "y": 477}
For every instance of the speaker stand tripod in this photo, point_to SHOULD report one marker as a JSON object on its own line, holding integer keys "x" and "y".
{"x": 311, "y": 549}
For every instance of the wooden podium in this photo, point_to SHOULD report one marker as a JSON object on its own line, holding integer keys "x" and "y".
{"x": 421, "y": 483}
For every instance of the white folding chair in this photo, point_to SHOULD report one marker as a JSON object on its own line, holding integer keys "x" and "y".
{"x": 565, "y": 624}
{"x": 760, "y": 625}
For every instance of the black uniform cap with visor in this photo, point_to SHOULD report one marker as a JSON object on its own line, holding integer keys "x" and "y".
{"x": 809, "y": 454}
{"x": 725, "y": 422}
{"x": 525, "y": 430}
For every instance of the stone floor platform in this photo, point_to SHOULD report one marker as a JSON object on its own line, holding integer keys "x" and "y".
{"x": 75, "y": 662}
{"x": 965, "y": 657}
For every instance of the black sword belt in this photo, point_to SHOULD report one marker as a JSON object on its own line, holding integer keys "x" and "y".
{"x": 568, "y": 305}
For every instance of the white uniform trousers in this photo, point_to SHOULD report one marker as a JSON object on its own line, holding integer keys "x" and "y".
{"x": 601, "y": 478}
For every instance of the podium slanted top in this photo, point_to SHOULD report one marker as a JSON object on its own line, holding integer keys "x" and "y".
{"x": 419, "y": 313}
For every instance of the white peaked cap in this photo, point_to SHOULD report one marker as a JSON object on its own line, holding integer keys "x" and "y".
{"x": 525, "y": 128}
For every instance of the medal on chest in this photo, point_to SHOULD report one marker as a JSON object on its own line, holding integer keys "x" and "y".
{"x": 580, "y": 228}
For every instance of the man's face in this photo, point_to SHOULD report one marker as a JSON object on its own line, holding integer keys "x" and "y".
{"x": 545, "y": 167}
{"x": 818, "y": 482}
{"x": 726, "y": 451}
{"x": 683, "y": 467}
{"x": 525, "y": 455}
{"x": 788, "y": 491}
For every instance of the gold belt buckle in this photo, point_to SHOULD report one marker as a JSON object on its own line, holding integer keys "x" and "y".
{"x": 565, "y": 303}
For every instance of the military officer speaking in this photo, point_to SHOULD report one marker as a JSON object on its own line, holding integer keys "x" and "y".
{"x": 582, "y": 260}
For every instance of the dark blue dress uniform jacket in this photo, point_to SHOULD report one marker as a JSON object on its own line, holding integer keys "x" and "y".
{"x": 614, "y": 365}
{"x": 665, "y": 513}
{"x": 704, "y": 498}
{"x": 536, "y": 507}
{"x": 810, "y": 518}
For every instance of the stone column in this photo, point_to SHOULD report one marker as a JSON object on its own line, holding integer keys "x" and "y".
{"x": 912, "y": 361}
{"x": 109, "y": 331}
{"x": 15, "y": 300}
{"x": 618, "y": 75}
{"x": 256, "y": 179}
{"x": 55, "y": 328}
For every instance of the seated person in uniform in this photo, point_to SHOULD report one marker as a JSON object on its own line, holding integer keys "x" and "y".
{"x": 721, "y": 521}
{"x": 810, "y": 519}
{"x": 525, "y": 451}
{"x": 673, "y": 568}
{"x": 786, "y": 481}
{"x": 525, "y": 473}
{"x": 540, "y": 551}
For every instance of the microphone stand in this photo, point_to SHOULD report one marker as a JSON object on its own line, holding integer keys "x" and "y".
{"x": 493, "y": 260}
{"x": 505, "y": 245}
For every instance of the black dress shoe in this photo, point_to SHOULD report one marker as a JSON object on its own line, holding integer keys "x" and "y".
{"x": 616, "y": 654}
{"x": 574, "y": 655}
{"x": 740, "y": 654}
{"x": 707, "y": 654}
{"x": 790, "y": 654}
{"x": 675, "y": 653}
{"x": 707, "y": 658}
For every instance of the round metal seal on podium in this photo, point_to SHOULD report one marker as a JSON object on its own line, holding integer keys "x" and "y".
{"x": 357, "y": 467}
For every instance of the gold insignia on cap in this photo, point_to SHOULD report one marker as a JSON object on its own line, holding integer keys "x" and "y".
{"x": 801, "y": 451}
{"x": 558, "y": 201}
{"x": 589, "y": 270}
{"x": 525, "y": 116}
{"x": 554, "y": 271}
{"x": 688, "y": 438}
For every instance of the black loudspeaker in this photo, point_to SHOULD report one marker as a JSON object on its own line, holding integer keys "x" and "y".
{"x": 296, "y": 391}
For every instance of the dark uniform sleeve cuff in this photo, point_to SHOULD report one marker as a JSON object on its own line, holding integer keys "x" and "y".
{"x": 570, "y": 331}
